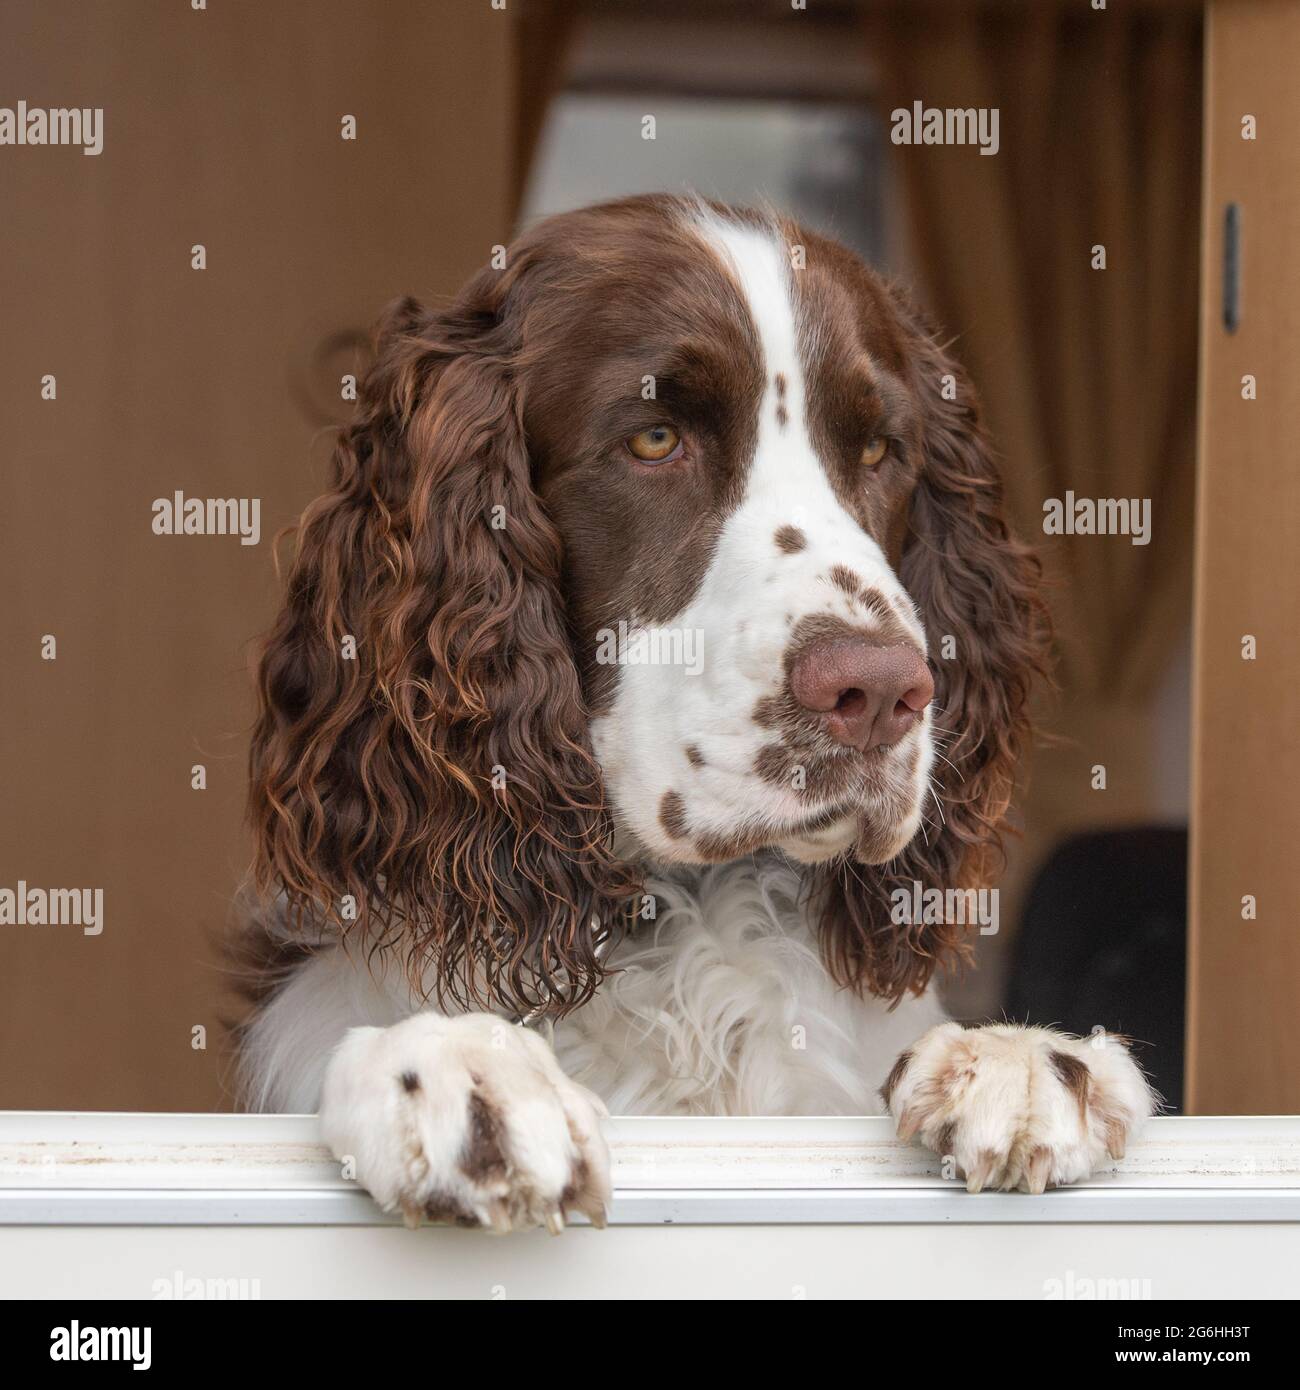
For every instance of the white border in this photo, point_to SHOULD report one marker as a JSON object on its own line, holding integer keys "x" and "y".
{"x": 70, "y": 1169}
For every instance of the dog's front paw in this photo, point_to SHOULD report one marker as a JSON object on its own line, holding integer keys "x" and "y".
{"x": 1018, "y": 1107}
{"x": 467, "y": 1120}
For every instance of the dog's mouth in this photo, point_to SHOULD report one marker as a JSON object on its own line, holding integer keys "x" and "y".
{"x": 824, "y": 773}
{"x": 868, "y": 804}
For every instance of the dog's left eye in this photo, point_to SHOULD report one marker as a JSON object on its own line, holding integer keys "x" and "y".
{"x": 659, "y": 444}
{"x": 874, "y": 450}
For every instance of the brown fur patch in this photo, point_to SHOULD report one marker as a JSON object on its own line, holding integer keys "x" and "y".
{"x": 877, "y": 605}
{"x": 768, "y": 711}
{"x": 410, "y": 1082}
{"x": 261, "y": 955}
{"x": 579, "y": 1177}
{"x": 776, "y": 765}
{"x": 694, "y": 756}
{"x": 1075, "y": 1077}
{"x": 672, "y": 814}
{"x": 446, "y": 1211}
{"x": 790, "y": 539}
{"x": 268, "y": 947}
{"x": 844, "y": 578}
{"x": 483, "y": 1157}
{"x": 946, "y": 1140}
{"x": 895, "y": 1075}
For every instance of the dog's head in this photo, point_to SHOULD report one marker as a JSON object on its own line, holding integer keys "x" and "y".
{"x": 673, "y": 539}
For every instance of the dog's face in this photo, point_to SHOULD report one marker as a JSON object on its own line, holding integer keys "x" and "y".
{"x": 728, "y": 446}
{"x": 673, "y": 539}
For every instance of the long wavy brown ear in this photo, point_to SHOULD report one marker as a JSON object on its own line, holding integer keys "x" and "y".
{"x": 421, "y": 776}
{"x": 978, "y": 591}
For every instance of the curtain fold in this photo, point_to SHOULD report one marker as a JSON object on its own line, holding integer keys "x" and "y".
{"x": 1088, "y": 376}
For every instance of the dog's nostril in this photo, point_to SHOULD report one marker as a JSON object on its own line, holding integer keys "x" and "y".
{"x": 914, "y": 700}
{"x": 870, "y": 695}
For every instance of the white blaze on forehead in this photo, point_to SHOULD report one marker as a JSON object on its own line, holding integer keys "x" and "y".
{"x": 759, "y": 263}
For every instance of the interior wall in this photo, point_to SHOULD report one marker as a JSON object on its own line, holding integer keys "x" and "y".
{"x": 222, "y": 128}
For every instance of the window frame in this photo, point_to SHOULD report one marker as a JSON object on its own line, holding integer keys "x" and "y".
{"x": 60, "y": 1168}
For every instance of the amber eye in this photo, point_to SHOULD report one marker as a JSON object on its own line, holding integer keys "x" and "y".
{"x": 655, "y": 445}
{"x": 874, "y": 450}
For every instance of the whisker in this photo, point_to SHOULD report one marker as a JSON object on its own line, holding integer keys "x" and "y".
{"x": 949, "y": 761}
{"x": 938, "y": 804}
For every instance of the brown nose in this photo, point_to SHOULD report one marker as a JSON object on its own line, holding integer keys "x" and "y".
{"x": 871, "y": 696}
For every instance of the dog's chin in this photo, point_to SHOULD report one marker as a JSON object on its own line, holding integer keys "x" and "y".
{"x": 817, "y": 846}
{"x": 858, "y": 837}
{"x": 879, "y": 844}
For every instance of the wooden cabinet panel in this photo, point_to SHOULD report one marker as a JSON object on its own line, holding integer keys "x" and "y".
{"x": 1244, "y": 975}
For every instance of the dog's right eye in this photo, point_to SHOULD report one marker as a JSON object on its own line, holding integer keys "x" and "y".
{"x": 874, "y": 450}
{"x": 659, "y": 444}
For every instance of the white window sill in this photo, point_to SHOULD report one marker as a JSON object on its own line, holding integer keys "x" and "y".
{"x": 106, "y": 1169}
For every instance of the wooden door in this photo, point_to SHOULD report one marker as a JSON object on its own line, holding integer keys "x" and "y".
{"x": 1244, "y": 970}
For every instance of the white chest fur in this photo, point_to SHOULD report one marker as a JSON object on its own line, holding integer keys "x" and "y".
{"x": 721, "y": 1006}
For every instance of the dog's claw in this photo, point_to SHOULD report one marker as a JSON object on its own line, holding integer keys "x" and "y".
{"x": 1040, "y": 1165}
{"x": 981, "y": 1171}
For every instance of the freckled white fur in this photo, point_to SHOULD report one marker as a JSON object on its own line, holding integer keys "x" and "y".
{"x": 741, "y": 609}
{"x": 992, "y": 1098}
{"x": 722, "y": 1006}
{"x": 396, "y": 1108}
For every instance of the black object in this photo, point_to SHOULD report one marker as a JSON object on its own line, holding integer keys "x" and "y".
{"x": 1232, "y": 267}
{"x": 1103, "y": 940}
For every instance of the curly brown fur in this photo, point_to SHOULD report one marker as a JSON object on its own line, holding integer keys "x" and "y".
{"x": 436, "y": 792}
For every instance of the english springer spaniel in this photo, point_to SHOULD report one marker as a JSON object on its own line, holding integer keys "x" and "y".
{"x": 658, "y": 647}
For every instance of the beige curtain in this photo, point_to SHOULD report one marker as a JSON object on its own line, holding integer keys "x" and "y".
{"x": 1088, "y": 376}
